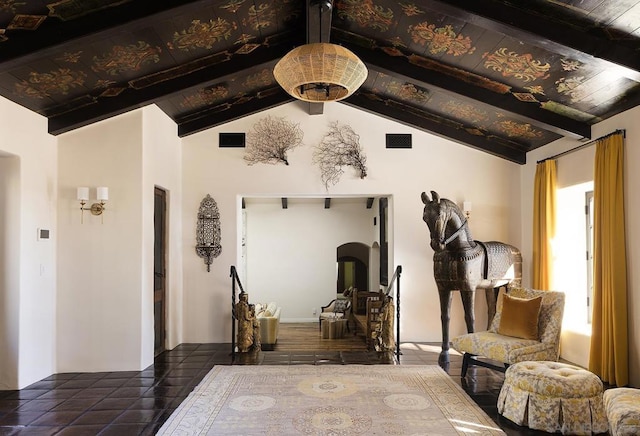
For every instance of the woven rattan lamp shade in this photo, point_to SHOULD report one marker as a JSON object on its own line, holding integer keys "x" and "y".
{"x": 320, "y": 72}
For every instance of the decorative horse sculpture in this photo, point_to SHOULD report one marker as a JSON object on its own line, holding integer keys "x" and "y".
{"x": 462, "y": 264}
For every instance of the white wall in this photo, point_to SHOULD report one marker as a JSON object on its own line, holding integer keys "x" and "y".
{"x": 162, "y": 155}
{"x": 291, "y": 253}
{"x": 9, "y": 269}
{"x": 100, "y": 272}
{"x": 105, "y": 316}
{"x": 29, "y": 291}
{"x": 455, "y": 171}
{"x": 576, "y": 168}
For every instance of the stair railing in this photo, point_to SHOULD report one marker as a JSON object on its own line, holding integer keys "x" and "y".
{"x": 396, "y": 280}
{"x": 235, "y": 281}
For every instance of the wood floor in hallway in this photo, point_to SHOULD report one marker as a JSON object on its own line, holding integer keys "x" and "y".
{"x": 306, "y": 336}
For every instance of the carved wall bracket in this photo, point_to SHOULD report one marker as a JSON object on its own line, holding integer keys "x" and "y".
{"x": 208, "y": 231}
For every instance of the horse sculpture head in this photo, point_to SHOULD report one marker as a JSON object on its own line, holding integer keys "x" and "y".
{"x": 444, "y": 219}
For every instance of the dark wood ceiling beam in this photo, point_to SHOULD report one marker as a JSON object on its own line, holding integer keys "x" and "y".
{"x": 285, "y": 203}
{"x": 215, "y": 117}
{"x": 525, "y": 25}
{"x": 134, "y": 98}
{"x": 370, "y": 202}
{"x": 423, "y": 121}
{"x": 528, "y": 112}
{"x": 30, "y": 45}
{"x": 327, "y": 203}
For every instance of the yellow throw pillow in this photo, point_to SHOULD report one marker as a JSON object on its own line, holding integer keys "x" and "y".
{"x": 520, "y": 317}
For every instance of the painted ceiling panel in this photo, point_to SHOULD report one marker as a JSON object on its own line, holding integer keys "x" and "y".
{"x": 503, "y": 77}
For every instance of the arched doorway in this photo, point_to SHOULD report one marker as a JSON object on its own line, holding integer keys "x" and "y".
{"x": 353, "y": 266}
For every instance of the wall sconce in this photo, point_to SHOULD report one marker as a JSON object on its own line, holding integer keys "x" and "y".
{"x": 208, "y": 231}
{"x": 466, "y": 206}
{"x": 102, "y": 195}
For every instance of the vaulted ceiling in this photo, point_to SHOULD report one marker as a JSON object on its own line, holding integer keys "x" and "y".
{"x": 504, "y": 77}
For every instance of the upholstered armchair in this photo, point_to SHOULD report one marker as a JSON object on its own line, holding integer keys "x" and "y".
{"x": 338, "y": 308}
{"x": 518, "y": 332}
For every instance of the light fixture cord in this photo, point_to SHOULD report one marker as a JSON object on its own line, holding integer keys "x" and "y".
{"x": 320, "y": 17}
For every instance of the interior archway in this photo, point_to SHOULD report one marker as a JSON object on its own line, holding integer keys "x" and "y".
{"x": 353, "y": 266}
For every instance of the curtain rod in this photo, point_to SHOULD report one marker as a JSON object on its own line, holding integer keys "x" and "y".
{"x": 555, "y": 156}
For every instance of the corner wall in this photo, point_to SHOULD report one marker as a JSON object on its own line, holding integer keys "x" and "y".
{"x": 29, "y": 290}
{"x": 162, "y": 154}
{"x": 9, "y": 270}
{"x": 100, "y": 290}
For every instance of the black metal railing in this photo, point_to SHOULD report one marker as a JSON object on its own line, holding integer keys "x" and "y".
{"x": 235, "y": 281}
{"x": 396, "y": 280}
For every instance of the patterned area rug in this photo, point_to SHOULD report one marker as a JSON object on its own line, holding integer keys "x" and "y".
{"x": 328, "y": 400}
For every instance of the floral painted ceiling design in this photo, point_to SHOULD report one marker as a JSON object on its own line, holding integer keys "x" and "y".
{"x": 502, "y": 77}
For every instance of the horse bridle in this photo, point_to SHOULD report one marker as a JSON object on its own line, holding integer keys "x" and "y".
{"x": 454, "y": 235}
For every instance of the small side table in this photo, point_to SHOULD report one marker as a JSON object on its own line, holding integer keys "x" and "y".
{"x": 333, "y": 328}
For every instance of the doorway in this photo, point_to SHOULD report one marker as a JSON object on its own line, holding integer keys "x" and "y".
{"x": 159, "y": 269}
{"x": 353, "y": 266}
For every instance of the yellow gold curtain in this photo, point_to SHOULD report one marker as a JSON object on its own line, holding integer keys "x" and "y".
{"x": 609, "y": 353}
{"x": 544, "y": 223}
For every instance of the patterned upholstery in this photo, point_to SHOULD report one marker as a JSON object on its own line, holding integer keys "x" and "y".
{"x": 338, "y": 308}
{"x": 623, "y": 411}
{"x": 509, "y": 350}
{"x": 341, "y": 306}
{"x": 552, "y": 397}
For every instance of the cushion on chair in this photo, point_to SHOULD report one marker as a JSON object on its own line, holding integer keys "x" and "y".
{"x": 501, "y": 348}
{"x": 329, "y": 315}
{"x": 520, "y": 317}
{"x": 341, "y": 306}
{"x": 623, "y": 411}
{"x": 270, "y": 310}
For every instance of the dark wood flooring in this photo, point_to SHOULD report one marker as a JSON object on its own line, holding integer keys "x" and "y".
{"x": 139, "y": 402}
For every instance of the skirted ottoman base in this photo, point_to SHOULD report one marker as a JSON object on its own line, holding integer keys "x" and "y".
{"x": 553, "y": 397}
{"x": 623, "y": 411}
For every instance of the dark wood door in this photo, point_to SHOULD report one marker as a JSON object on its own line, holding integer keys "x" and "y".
{"x": 159, "y": 276}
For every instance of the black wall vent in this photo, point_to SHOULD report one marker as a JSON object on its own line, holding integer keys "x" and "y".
{"x": 398, "y": 140}
{"x": 231, "y": 140}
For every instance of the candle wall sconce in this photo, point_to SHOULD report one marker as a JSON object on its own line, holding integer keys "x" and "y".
{"x": 102, "y": 195}
{"x": 208, "y": 231}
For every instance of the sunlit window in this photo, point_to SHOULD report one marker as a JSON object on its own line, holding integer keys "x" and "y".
{"x": 572, "y": 249}
{"x": 589, "y": 213}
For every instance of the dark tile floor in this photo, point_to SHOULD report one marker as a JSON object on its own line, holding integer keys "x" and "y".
{"x": 138, "y": 402}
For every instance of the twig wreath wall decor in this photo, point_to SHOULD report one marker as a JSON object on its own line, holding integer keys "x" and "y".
{"x": 271, "y": 139}
{"x": 208, "y": 231}
{"x": 338, "y": 148}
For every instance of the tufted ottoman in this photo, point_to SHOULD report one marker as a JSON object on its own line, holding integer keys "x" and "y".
{"x": 623, "y": 411}
{"x": 552, "y": 397}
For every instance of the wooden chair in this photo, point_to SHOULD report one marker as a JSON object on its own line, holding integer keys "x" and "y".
{"x": 337, "y": 308}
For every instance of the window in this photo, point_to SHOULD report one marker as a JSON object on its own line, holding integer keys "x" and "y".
{"x": 588, "y": 208}
{"x": 572, "y": 245}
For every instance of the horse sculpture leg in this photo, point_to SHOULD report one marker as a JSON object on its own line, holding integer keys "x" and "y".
{"x": 445, "y": 309}
{"x": 468, "y": 302}
{"x": 491, "y": 295}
